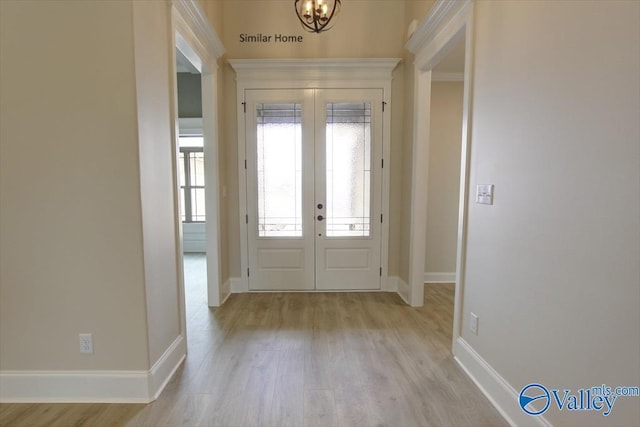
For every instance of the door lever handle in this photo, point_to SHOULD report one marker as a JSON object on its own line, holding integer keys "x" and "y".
{"x": 320, "y": 217}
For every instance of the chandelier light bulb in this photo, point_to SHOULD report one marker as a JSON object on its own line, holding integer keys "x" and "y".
{"x": 316, "y": 15}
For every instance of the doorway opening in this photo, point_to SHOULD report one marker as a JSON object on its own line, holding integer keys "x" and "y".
{"x": 445, "y": 144}
{"x": 431, "y": 44}
{"x": 191, "y": 183}
{"x": 325, "y": 86}
{"x": 196, "y": 170}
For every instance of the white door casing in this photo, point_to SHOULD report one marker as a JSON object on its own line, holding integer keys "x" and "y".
{"x": 312, "y": 74}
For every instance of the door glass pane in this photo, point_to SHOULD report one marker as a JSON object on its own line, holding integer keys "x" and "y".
{"x": 279, "y": 161}
{"x": 348, "y": 142}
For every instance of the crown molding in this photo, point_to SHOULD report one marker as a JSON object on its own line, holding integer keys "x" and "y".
{"x": 441, "y": 13}
{"x": 198, "y": 22}
{"x": 313, "y": 69}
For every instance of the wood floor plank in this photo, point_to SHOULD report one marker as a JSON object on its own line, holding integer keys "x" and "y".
{"x": 319, "y": 408}
{"x": 302, "y": 359}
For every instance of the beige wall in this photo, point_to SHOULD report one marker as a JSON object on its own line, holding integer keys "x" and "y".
{"x": 444, "y": 177}
{"x": 213, "y": 11}
{"x": 71, "y": 248}
{"x": 342, "y": 41}
{"x": 552, "y": 267}
{"x": 88, "y": 220}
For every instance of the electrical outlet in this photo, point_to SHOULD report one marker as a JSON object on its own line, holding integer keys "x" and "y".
{"x": 473, "y": 323}
{"x": 86, "y": 343}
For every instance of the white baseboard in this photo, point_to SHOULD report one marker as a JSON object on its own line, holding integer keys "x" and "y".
{"x": 162, "y": 371}
{"x": 238, "y": 285}
{"x": 499, "y": 392}
{"x": 390, "y": 284}
{"x": 74, "y": 387}
{"x": 92, "y": 386}
{"x": 225, "y": 291}
{"x": 403, "y": 290}
{"x": 439, "y": 277}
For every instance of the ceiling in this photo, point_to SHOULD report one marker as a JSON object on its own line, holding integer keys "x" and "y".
{"x": 183, "y": 65}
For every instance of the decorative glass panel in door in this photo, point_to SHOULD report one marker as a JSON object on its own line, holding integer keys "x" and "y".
{"x": 279, "y": 157}
{"x": 348, "y": 169}
{"x": 279, "y": 147}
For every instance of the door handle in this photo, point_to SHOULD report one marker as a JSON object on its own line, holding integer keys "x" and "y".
{"x": 320, "y": 217}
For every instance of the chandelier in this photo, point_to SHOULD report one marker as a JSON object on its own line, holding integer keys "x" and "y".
{"x": 316, "y": 15}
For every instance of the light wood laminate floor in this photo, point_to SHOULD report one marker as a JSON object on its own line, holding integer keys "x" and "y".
{"x": 302, "y": 359}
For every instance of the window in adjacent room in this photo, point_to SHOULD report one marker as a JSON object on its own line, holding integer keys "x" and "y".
{"x": 191, "y": 171}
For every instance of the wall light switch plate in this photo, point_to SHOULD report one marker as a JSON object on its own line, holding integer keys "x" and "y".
{"x": 484, "y": 194}
{"x": 473, "y": 323}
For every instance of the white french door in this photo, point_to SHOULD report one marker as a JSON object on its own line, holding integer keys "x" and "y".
{"x": 314, "y": 188}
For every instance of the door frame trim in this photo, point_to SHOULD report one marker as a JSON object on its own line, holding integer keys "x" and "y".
{"x": 446, "y": 24}
{"x": 346, "y": 73}
{"x": 198, "y": 41}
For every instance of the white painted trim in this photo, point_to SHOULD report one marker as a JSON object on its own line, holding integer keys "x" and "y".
{"x": 438, "y": 76}
{"x": 239, "y": 285}
{"x": 212, "y": 184}
{"x": 465, "y": 154}
{"x": 391, "y": 284}
{"x": 193, "y": 15}
{"x": 438, "y": 16}
{"x": 403, "y": 290}
{"x": 92, "y": 386}
{"x": 347, "y": 73}
{"x": 314, "y": 73}
{"x": 74, "y": 386}
{"x": 176, "y": 22}
{"x": 499, "y": 392}
{"x": 225, "y": 291}
{"x": 164, "y": 368}
{"x": 439, "y": 277}
{"x": 419, "y": 186}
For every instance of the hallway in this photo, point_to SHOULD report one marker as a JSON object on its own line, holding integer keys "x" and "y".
{"x": 301, "y": 359}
